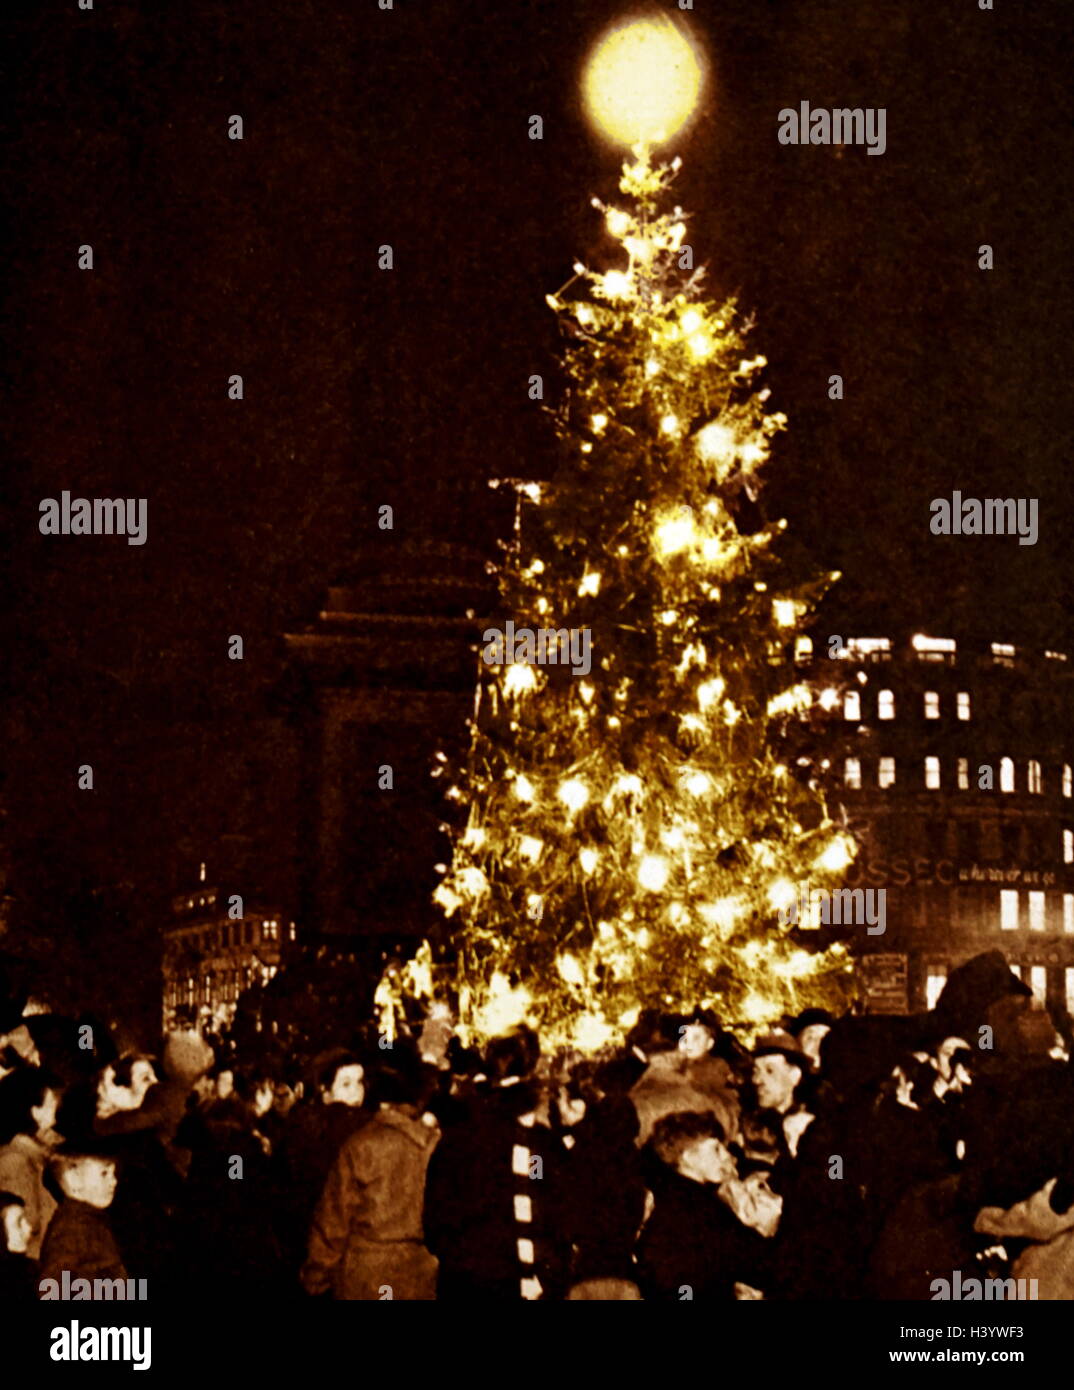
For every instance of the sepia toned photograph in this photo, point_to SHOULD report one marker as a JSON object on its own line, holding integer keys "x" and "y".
{"x": 538, "y": 714}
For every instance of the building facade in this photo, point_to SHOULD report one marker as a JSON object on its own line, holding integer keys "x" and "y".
{"x": 210, "y": 957}
{"x": 951, "y": 763}
{"x": 384, "y": 682}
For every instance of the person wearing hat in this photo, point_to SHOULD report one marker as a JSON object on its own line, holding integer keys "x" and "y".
{"x": 809, "y": 1030}
{"x": 780, "y": 1118}
{"x": 79, "y": 1238}
{"x": 818, "y": 1249}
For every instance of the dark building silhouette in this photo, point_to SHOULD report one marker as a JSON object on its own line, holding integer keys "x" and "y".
{"x": 384, "y": 680}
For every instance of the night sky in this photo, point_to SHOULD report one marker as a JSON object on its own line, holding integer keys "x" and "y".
{"x": 362, "y": 387}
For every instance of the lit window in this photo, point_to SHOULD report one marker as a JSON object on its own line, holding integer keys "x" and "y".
{"x": 1008, "y": 909}
{"x": 1068, "y": 846}
{"x": 962, "y": 704}
{"x": 963, "y": 774}
{"x": 1016, "y": 970}
{"x": 1068, "y": 779}
{"x": 934, "y": 648}
{"x": 932, "y": 773}
{"x": 885, "y": 705}
{"x": 932, "y": 704}
{"x": 1006, "y": 775}
{"x": 1038, "y": 983}
{"x": 803, "y": 648}
{"x": 1033, "y": 776}
{"x": 1068, "y": 912}
{"x": 934, "y": 983}
{"x": 292, "y": 931}
{"x": 885, "y": 775}
{"x": 852, "y": 774}
{"x": 1003, "y": 653}
{"x": 852, "y": 705}
{"x": 878, "y": 648}
{"x": 1036, "y": 912}
{"x": 1070, "y": 989}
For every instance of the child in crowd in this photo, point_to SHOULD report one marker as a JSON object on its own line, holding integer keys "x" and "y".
{"x": 79, "y": 1238}
{"x": 694, "y": 1245}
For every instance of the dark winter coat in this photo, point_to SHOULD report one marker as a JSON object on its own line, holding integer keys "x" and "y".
{"x": 18, "y": 1279}
{"x": 160, "y": 1112}
{"x": 227, "y": 1239}
{"x": 164, "y": 1106}
{"x": 314, "y": 1135}
{"x": 144, "y": 1211}
{"x": 79, "y": 1239}
{"x": 479, "y": 1168}
{"x": 366, "y": 1237}
{"x": 928, "y": 1235}
{"x": 896, "y": 1148}
{"x": 601, "y": 1195}
{"x": 818, "y": 1250}
{"x": 693, "y": 1241}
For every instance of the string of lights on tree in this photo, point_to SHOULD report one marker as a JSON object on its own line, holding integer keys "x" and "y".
{"x": 626, "y": 839}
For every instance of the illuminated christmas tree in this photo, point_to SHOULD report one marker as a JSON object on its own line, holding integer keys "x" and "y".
{"x": 628, "y": 836}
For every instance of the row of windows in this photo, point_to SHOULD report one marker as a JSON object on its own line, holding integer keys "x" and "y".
{"x": 885, "y": 775}
{"x": 943, "y": 649}
{"x": 224, "y": 986}
{"x": 885, "y": 704}
{"x": 853, "y": 706}
{"x": 1010, "y": 910}
{"x": 1036, "y": 977}
{"x": 1014, "y": 841}
{"x": 241, "y": 933}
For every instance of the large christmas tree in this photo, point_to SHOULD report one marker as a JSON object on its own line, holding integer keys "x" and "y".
{"x": 626, "y": 838}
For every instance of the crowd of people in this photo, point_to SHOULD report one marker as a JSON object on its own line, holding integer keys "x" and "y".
{"x": 830, "y": 1158}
